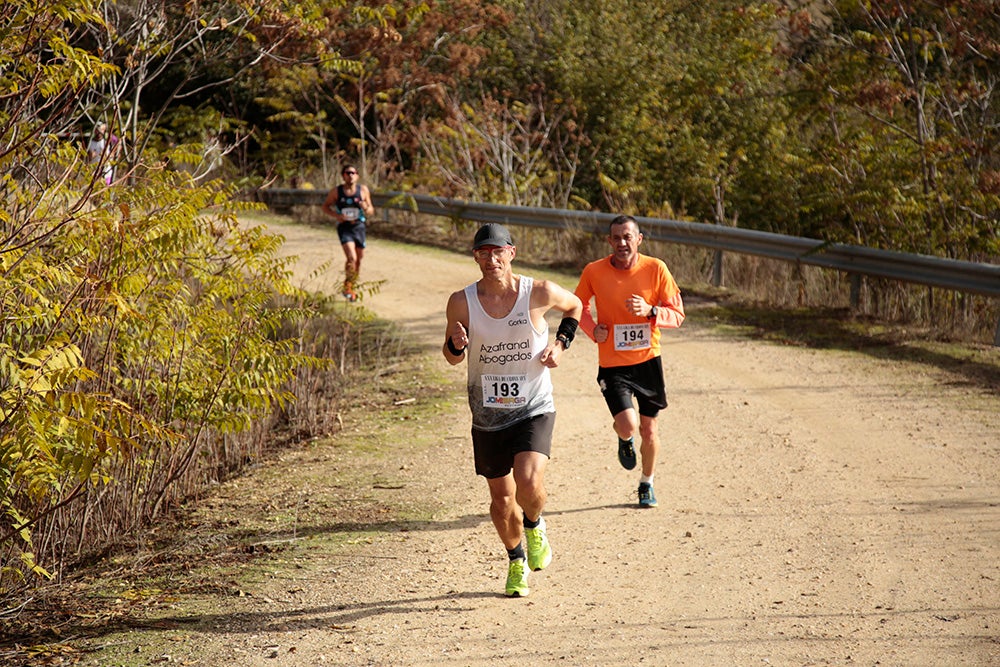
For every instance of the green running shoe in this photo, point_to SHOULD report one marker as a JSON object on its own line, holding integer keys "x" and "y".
{"x": 539, "y": 551}
{"x": 517, "y": 579}
{"x": 646, "y": 496}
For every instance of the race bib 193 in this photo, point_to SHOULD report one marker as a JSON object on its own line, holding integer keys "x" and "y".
{"x": 632, "y": 336}
{"x": 504, "y": 391}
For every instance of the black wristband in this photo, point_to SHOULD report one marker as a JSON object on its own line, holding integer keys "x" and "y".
{"x": 567, "y": 331}
{"x": 451, "y": 347}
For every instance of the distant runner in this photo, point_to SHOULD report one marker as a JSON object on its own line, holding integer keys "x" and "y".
{"x": 350, "y": 204}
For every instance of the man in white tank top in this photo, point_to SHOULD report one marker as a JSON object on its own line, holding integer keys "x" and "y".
{"x": 498, "y": 322}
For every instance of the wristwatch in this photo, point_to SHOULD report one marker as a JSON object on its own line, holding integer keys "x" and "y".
{"x": 652, "y": 313}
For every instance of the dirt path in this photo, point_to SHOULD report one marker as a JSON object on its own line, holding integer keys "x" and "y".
{"x": 816, "y": 508}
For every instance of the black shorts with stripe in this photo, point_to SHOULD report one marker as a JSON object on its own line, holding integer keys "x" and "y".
{"x": 644, "y": 381}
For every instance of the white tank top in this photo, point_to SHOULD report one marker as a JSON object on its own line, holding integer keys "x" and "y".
{"x": 507, "y": 382}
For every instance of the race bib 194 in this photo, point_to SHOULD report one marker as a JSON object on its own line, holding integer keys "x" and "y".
{"x": 632, "y": 336}
{"x": 504, "y": 391}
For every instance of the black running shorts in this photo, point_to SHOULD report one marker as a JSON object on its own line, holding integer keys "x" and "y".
{"x": 352, "y": 232}
{"x": 494, "y": 450}
{"x": 644, "y": 381}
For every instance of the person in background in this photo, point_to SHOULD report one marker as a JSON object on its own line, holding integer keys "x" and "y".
{"x": 498, "y": 325}
{"x": 350, "y": 204}
{"x": 635, "y": 296}
{"x": 103, "y": 151}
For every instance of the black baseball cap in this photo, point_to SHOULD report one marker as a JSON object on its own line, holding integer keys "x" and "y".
{"x": 492, "y": 234}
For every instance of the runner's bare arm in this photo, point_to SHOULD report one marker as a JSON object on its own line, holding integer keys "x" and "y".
{"x": 569, "y": 304}
{"x": 456, "y": 334}
{"x": 366, "y": 200}
{"x": 547, "y": 295}
{"x": 328, "y": 205}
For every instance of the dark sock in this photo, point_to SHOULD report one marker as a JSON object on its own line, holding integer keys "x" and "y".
{"x": 516, "y": 553}
{"x": 528, "y": 523}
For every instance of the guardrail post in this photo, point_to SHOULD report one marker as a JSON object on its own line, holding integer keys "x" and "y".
{"x": 717, "y": 269}
{"x": 996, "y": 336}
{"x": 855, "y": 290}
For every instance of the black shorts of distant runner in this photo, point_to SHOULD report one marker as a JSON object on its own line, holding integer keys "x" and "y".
{"x": 644, "y": 381}
{"x": 352, "y": 232}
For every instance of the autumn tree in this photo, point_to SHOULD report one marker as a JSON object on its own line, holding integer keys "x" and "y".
{"x": 136, "y": 316}
{"x": 395, "y": 65}
{"x": 905, "y": 129}
{"x": 180, "y": 65}
{"x": 675, "y": 103}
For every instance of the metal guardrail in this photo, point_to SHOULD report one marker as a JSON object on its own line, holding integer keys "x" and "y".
{"x": 959, "y": 275}
{"x": 953, "y": 274}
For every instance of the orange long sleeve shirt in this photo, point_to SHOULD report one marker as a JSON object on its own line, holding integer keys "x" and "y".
{"x": 632, "y": 339}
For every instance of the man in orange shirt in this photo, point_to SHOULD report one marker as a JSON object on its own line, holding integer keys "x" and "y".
{"x": 635, "y": 297}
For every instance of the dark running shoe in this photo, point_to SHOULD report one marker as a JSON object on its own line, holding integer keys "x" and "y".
{"x": 626, "y": 453}
{"x": 646, "y": 496}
